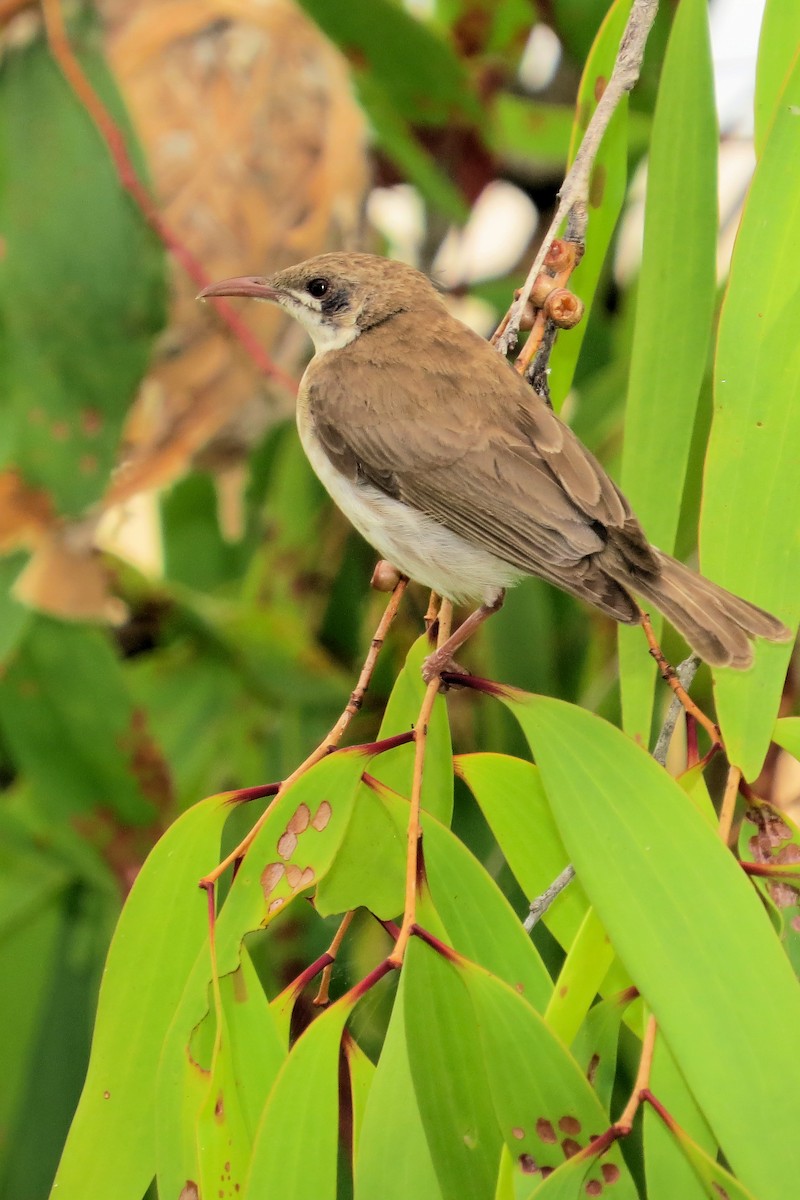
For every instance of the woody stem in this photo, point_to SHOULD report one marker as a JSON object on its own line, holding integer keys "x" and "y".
{"x": 332, "y": 738}
{"x": 670, "y": 677}
{"x": 414, "y": 826}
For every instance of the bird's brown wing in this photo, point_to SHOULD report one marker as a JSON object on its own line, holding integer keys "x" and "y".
{"x": 468, "y": 443}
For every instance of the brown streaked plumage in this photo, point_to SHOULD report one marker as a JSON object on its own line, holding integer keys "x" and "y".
{"x": 458, "y": 473}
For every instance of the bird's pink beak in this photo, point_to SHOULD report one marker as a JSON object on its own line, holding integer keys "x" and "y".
{"x": 241, "y": 285}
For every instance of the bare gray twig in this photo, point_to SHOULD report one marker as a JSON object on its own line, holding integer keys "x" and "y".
{"x": 574, "y": 195}
{"x": 540, "y": 905}
{"x": 686, "y": 673}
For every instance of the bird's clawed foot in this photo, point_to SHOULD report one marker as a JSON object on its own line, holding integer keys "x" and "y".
{"x": 438, "y": 664}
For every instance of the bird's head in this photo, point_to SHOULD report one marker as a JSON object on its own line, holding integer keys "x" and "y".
{"x": 337, "y": 296}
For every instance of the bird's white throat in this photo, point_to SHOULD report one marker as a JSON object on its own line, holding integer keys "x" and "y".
{"x": 324, "y": 333}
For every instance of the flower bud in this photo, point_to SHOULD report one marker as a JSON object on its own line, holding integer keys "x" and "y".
{"x": 385, "y": 577}
{"x": 563, "y": 308}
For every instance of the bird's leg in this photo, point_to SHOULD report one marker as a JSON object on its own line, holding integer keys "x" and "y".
{"x": 442, "y": 659}
{"x": 669, "y": 675}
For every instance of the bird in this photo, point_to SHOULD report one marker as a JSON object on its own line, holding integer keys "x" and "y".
{"x": 459, "y": 474}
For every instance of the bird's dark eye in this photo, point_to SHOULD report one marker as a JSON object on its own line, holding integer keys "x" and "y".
{"x": 318, "y": 288}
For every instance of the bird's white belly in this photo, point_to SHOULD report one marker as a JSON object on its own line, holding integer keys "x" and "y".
{"x": 417, "y": 545}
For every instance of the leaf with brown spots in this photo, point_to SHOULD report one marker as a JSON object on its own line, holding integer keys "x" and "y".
{"x": 371, "y": 860}
{"x": 596, "y": 1044}
{"x": 539, "y": 1089}
{"x": 244, "y": 1065}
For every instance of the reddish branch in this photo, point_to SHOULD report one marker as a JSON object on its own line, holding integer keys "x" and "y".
{"x": 112, "y": 135}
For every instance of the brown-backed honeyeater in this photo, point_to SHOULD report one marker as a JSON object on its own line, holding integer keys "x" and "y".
{"x": 452, "y": 467}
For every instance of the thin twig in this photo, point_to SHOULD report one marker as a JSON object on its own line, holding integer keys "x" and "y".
{"x": 431, "y": 611}
{"x": 685, "y": 673}
{"x": 415, "y": 806}
{"x": 642, "y": 1081}
{"x": 112, "y": 135}
{"x": 323, "y": 993}
{"x": 728, "y": 806}
{"x": 670, "y": 677}
{"x": 540, "y": 905}
{"x": 574, "y": 195}
{"x": 331, "y": 740}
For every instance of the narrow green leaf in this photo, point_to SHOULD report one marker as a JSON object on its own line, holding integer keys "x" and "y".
{"x": 27, "y": 961}
{"x": 223, "y": 1139}
{"x": 689, "y": 928}
{"x": 81, "y": 278}
{"x": 777, "y": 51}
{"x": 545, "y": 1107}
{"x": 392, "y": 1119}
{"x": 14, "y": 617}
{"x": 474, "y": 915}
{"x": 257, "y": 1052}
{"x": 181, "y": 1090}
{"x": 750, "y": 535}
{"x": 715, "y": 1181}
{"x": 526, "y": 130}
{"x": 421, "y": 72}
{"x": 362, "y": 1076}
{"x": 694, "y": 785}
{"x": 787, "y": 734}
{"x": 585, "y": 967}
{"x": 212, "y": 1116}
{"x": 674, "y": 311}
{"x": 512, "y": 798}
{"x": 111, "y": 1147}
{"x": 400, "y": 144}
{"x": 668, "y": 1171}
{"x": 302, "y": 1112}
{"x": 595, "y": 1044}
{"x": 449, "y": 1070}
{"x": 369, "y": 869}
{"x": 505, "y": 1177}
{"x": 290, "y": 854}
{"x": 607, "y": 188}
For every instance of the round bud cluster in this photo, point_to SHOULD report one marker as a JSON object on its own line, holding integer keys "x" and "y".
{"x": 385, "y": 577}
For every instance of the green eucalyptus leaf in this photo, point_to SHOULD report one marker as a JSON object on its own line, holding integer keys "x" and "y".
{"x": 675, "y": 300}
{"x": 688, "y": 927}
{"x": 81, "y": 279}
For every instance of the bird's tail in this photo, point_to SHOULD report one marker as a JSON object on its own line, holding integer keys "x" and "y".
{"x": 717, "y": 625}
